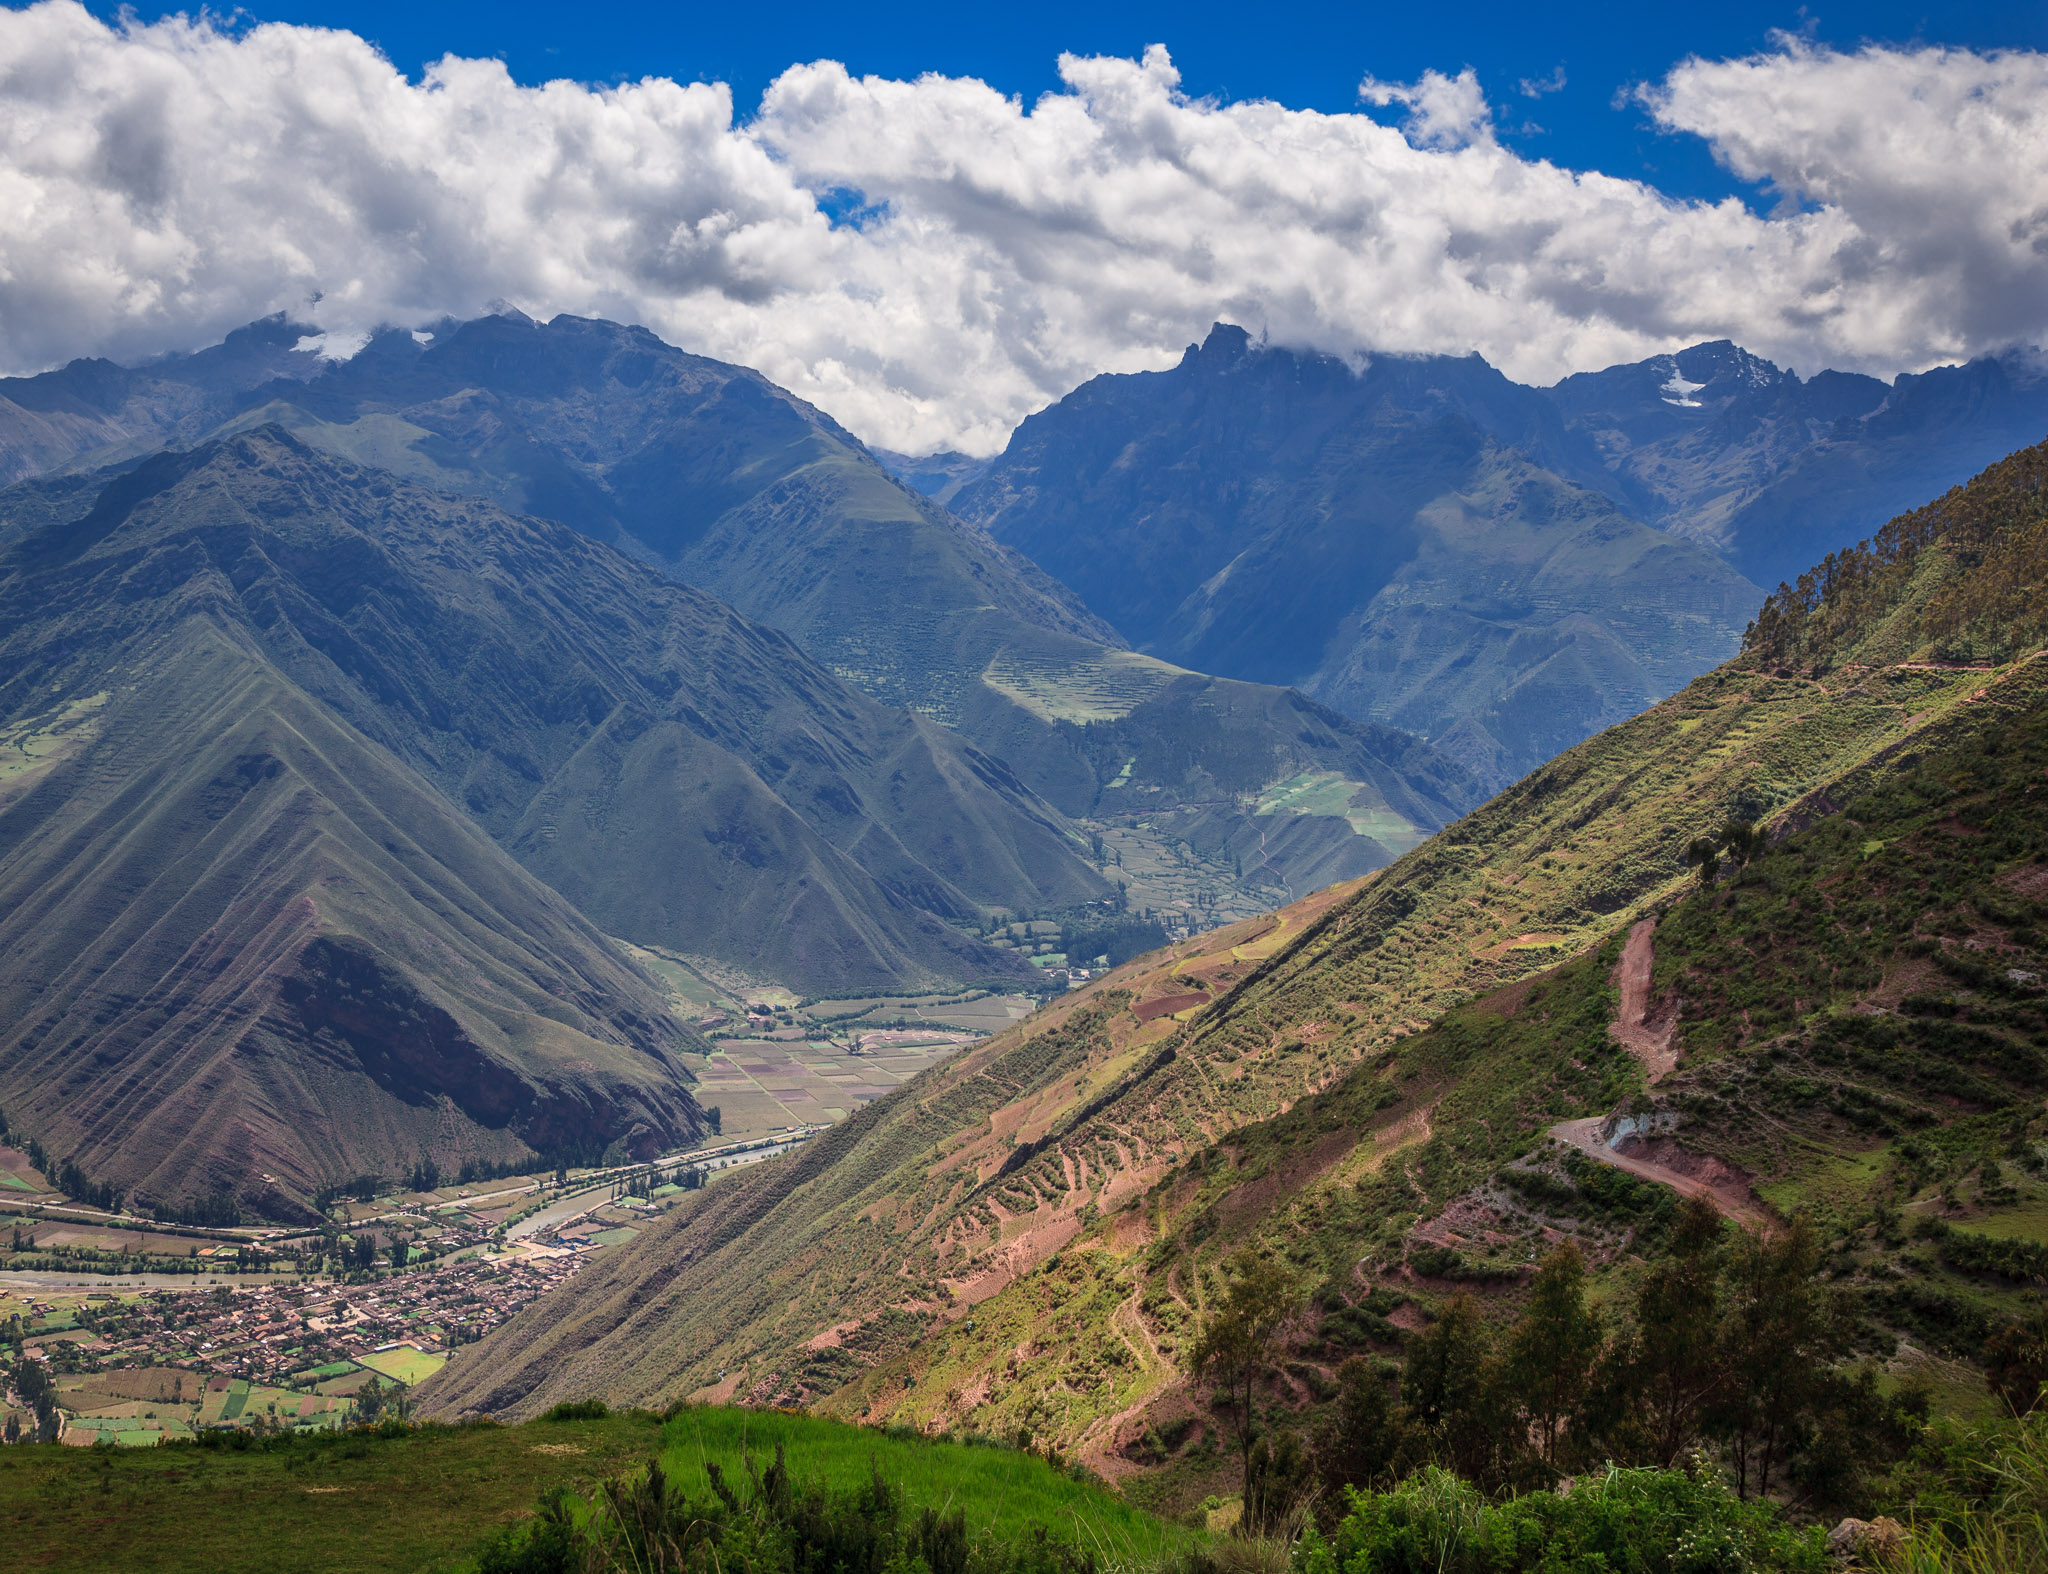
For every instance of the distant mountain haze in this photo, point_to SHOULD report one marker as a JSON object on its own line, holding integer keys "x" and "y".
{"x": 1424, "y": 543}
{"x": 114, "y": 412}
{"x": 1774, "y": 471}
{"x": 724, "y": 481}
{"x": 1378, "y": 537}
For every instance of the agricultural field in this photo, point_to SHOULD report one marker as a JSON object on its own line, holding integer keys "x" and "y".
{"x": 1164, "y": 874}
{"x": 767, "y": 1085}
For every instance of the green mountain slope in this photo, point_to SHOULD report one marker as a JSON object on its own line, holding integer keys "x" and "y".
{"x": 1025, "y": 1235}
{"x": 1387, "y": 539}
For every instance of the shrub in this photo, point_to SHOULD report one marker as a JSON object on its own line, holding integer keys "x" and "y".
{"x": 579, "y": 1410}
{"x": 1655, "y": 1521}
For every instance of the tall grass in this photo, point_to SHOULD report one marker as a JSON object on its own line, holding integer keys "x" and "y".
{"x": 2008, "y": 1532}
{"x": 1003, "y": 1492}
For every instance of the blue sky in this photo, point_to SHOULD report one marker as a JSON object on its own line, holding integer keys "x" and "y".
{"x": 1307, "y": 56}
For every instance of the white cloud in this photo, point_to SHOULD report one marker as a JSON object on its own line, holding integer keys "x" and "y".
{"x": 164, "y": 183}
{"x": 1443, "y": 112}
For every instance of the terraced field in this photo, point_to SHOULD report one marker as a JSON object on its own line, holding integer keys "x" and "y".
{"x": 1079, "y": 684}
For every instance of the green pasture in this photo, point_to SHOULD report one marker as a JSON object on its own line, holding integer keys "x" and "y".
{"x": 413, "y": 1501}
{"x": 326, "y": 1503}
{"x": 405, "y": 1364}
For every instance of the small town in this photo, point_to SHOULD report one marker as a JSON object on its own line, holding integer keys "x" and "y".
{"x": 267, "y": 1331}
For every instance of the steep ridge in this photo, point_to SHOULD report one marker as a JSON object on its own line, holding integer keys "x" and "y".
{"x": 727, "y": 482}
{"x": 1386, "y": 538}
{"x": 1025, "y": 1236}
{"x": 690, "y": 780}
{"x": 249, "y": 953}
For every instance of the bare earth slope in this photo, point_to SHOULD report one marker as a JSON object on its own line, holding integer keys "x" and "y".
{"x": 249, "y": 952}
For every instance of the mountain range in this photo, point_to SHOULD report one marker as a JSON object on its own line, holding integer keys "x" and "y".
{"x": 713, "y": 475}
{"x": 1500, "y": 569}
{"x": 673, "y": 659}
{"x": 293, "y": 746}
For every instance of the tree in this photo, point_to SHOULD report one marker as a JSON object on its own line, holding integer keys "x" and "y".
{"x": 2016, "y": 1362}
{"x": 1361, "y": 1438}
{"x": 1553, "y": 1347}
{"x": 1277, "y": 1475}
{"x": 1452, "y": 1387}
{"x": 1741, "y": 841}
{"x": 1672, "y": 1363}
{"x": 1737, "y": 842}
{"x": 1236, "y": 1345}
{"x": 1782, "y": 1335}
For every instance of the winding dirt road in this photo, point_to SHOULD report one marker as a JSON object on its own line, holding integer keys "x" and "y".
{"x": 1653, "y": 1040}
{"x": 1586, "y": 1136}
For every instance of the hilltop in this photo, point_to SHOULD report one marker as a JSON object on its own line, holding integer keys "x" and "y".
{"x": 1365, "y": 1087}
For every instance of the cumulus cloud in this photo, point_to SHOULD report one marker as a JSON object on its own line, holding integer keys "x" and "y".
{"x": 1443, "y": 112}
{"x": 931, "y": 260}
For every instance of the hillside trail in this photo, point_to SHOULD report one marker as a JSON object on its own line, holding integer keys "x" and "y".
{"x": 1097, "y": 1446}
{"x": 1653, "y": 1040}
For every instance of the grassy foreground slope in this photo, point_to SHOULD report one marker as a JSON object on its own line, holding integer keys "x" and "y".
{"x": 402, "y": 1499}
{"x": 998, "y": 1243}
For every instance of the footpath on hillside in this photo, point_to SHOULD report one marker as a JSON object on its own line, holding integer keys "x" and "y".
{"x": 1653, "y": 1040}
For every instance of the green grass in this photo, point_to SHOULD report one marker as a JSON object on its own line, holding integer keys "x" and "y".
{"x": 1002, "y": 1491}
{"x": 424, "y": 1500}
{"x": 405, "y": 1365}
{"x": 340, "y": 1503}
